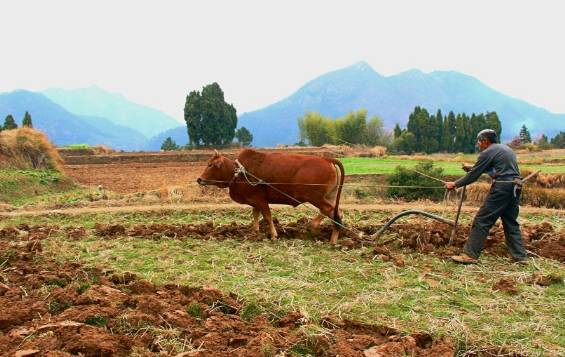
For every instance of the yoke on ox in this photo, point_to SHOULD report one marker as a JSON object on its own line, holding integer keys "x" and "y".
{"x": 258, "y": 179}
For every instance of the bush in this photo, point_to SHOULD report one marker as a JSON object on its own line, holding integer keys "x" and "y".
{"x": 26, "y": 148}
{"x": 403, "y": 176}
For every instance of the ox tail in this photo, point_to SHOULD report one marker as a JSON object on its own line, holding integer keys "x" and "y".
{"x": 337, "y": 218}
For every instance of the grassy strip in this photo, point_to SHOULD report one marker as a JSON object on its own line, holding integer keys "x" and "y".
{"x": 427, "y": 294}
{"x": 241, "y": 216}
{"x": 18, "y": 187}
{"x": 364, "y": 166}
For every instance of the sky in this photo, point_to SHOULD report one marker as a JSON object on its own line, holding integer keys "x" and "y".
{"x": 156, "y": 52}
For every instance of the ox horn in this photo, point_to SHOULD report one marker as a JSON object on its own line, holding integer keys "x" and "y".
{"x": 216, "y": 153}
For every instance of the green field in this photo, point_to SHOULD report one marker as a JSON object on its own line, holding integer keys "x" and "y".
{"x": 365, "y": 166}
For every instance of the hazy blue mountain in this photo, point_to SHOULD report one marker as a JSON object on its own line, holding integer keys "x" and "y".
{"x": 94, "y": 101}
{"x": 393, "y": 98}
{"x": 63, "y": 127}
{"x": 178, "y": 134}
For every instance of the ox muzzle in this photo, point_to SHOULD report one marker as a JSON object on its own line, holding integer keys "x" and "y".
{"x": 201, "y": 181}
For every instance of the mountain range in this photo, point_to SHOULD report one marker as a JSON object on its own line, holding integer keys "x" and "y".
{"x": 63, "y": 127}
{"x": 94, "y": 101}
{"x": 393, "y": 98}
{"x": 94, "y": 116}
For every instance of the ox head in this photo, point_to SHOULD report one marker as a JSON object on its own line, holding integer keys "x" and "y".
{"x": 218, "y": 172}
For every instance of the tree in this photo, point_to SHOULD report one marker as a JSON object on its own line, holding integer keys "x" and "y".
{"x": 438, "y": 126}
{"x": 448, "y": 133}
{"x": 169, "y": 144}
{"x": 492, "y": 122}
{"x": 27, "y": 120}
{"x": 352, "y": 128}
{"x": 244, "y": 136}
{"x": 543, "y": 142}
{"x": 10, "y": 123}
{"x": 316, "y": 129}
{"x": 397, "y": 131}
{"x": 559, "y": 140}
{"x": 525, "y": 135}
{"x": 209, "y": 119}
{"x": 406, "y": 142}
{"x": 376, "y": 134}
{"x": 461, "y": 133}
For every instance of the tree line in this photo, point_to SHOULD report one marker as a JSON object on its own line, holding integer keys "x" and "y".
{"x": 353, "y": 128}
{"x": 543, "y": 142}
{"x": 438, "y": 133}
{"x": 10, "y": 123}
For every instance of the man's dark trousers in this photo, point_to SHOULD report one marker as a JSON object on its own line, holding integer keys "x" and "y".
{"x": 500, "y": 202}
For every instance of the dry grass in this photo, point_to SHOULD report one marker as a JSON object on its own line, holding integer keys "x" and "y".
{"x": 26, "y": 148}
{"x": 531, "y": 195}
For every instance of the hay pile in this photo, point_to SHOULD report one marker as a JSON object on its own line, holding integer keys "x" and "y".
{"x": 26, "y": 148}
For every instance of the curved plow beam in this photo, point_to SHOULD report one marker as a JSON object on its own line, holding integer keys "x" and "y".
{"x": 409, "y": 212}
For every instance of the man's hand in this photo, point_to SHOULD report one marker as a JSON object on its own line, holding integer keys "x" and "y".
{"x": 466, "y": 167}
{"x": 450, "y": 185}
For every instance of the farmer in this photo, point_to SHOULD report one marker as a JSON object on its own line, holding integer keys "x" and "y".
{"x": 499, "y": 162}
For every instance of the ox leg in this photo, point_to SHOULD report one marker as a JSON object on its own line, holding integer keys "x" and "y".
{"x": 267, "y": 215}
{"x": 327, "y": 209}
{"x": 316, "y": 222}
{"x": 256, "y": 212}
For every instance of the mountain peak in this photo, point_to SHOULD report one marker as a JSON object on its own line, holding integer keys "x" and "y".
{"x": 360, "y": 66}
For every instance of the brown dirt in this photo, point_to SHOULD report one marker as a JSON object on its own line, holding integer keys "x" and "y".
{"x": 432, "y": 238}
{"x": 507, "y": 286}
{"x": 136, "y": 177}
{"x": 544, "y": 280}
{"x": 131, "y": 172}
{"x": 65, "y": 308}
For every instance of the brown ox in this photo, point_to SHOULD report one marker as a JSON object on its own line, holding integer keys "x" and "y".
{"x": 289, "y": 179}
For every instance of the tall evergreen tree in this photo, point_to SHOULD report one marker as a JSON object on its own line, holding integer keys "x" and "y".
{"x": 559, "y": 140}
{"x": 10, "y": 123}
{"x": 524, "y": 135}
{"x": 493, "y": 122}
{"x": 27, "y": 120}
{"x": 439, "y": 129}
{"x": 397, "y": 131}
{"x": 448, "y": 134}
{"x": 461, "y": 134}
{"x": 209, "y": 119}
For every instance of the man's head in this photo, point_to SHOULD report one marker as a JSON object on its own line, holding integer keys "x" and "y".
{"x": 485, "y": 138}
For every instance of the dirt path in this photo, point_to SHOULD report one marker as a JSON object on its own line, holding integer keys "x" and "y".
{"x": 397, "y": 207}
